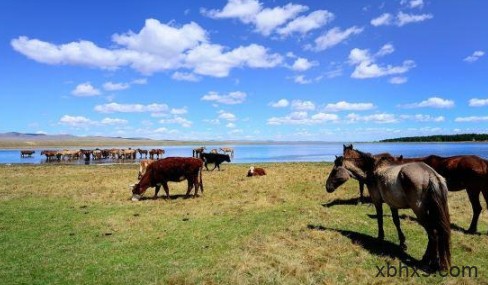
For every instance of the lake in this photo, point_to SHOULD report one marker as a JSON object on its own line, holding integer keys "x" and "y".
{"x": 284, "y": 152}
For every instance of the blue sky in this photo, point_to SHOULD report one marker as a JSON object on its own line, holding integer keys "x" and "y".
{"x": 244, "y": 69}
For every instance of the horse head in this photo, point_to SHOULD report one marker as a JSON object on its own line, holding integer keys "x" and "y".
{"x": 338, "y": 176}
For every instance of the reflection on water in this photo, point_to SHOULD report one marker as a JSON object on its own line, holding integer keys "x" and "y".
{"x": 276, "y": 153}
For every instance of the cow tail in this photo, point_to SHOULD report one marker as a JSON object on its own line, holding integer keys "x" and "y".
{"x": 200, "y": 182}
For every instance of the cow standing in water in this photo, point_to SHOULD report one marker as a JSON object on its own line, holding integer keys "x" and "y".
{"x": 174, "y": 169}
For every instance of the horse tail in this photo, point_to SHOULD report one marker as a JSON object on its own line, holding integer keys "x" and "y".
{"x": 439, "y": 219}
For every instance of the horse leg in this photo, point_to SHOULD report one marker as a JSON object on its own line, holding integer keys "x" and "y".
{"x": 485, "y": 195}
{"x": 474, "y": 198}
{"x": 379, "y": 216}
{"x": 396, "y": 221}
{"x": 361, "y": 191}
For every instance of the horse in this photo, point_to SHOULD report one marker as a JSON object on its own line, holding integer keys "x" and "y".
{"x": 412, "y": 185}
{"x": 228, "y": 150}
{"x": 156, "y": 152}
{"x": 197, "y": 152}
{"x": 468, "y": 172}
{"x": 141, "y": 152}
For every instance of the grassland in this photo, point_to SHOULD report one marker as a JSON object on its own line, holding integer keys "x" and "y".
{"x": 63, "y": 224}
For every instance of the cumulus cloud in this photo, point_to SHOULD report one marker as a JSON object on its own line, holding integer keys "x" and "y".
{"x": 157, "y": 47}
{"x": 471, "y": 119}
{"x": 85, "y": 90}
{"x": 113, "y": 121}
{"x": 302, "y": 105}
{"x": 227, "y": 116}
{"x": 282, "y": 103}
{"x": 398, "y": 80}
{"x": 81, "y": 121}
{"x": 423, "y": 118}
{"x": 302, "y": 118}
{"x": 304, "y": 24}
{"x": 111, "y": 86}
{"x": 303, "y": 64}
{"x": 475, "y": 56}
{"x": 131, "y": 108}
{"x": 401, "y": 19}
{"x": 346, "y": 106}
{"x": 185, "y": 76}
{"x": 265, "y": 20}
{"x": 383, "y": 118}
{"x": 300, "y": 79}
{"x": 475, "y": 102}
{"x": 334, "y": 37}
{"x": 366, "y": 66}
{"x": 177, "y": 120}
{"x": 232, "y": 98}
{"x": 433, "y": 102}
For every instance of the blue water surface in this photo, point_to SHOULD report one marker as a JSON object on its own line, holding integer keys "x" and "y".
{"x": 303, "y": 152}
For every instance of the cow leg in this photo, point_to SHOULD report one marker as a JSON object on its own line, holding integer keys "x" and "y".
{"x": 166, "y": 189}
{"x": 190, "y": 186}
{"x": 206, "y": 165}
{"x": 158, "y": 187}
{"x": 474, "y": 198}
{"x": 215, "y": 165}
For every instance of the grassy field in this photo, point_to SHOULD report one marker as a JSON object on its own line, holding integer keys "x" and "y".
{"x": 76, "y": 225}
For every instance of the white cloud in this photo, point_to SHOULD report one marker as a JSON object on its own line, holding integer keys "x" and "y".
{"x": 475, "y": 102}
{"x": 433, "y": 102}
{"x": 416, "y": 4}
{"x": 382, "y": 118}
{"x": 75, "y": 121}
{"x": 131, "y": 108}
{"x": 85, "y": 90}
{"x": 423, "y": 118}
{"x": 305, "y": 24}
{"x": 303, "y": 64}
{"x": 383, "y": 20}
{"x": 302, "y": 105}
{"x": 230, "y": 125}
{"x": 156, "y": 48}
{"x": 282, "y": 103}
{"x": 177, "y": 120}
{"x": 180, "y": 111}
{"x": 400, "y": 20}
{"x": 302, "y": 118}
{"x": 366, "y": 66}
{"x": 265, "y": 20}
{"x": 333, "y": 37}
{"x": 346, "y": 106}
{"x": 227, "y": 116}
{"x": 185, "y": 76}
{"x": 232, "y": 98}
{"x": 300, "y": 79}
{"x": 141, "y": 81}
{"x": 113, "y": 121}
{"x": 398, "y": 80}
{"x": 110, "y": 86}
{"x": 475, "y": 56}
{"x": 471, "y": 119}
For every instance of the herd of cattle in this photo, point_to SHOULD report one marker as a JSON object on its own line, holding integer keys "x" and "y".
{"x": 96, "y": 154}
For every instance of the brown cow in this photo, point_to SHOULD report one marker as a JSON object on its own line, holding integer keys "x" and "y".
{"x": 173, "y": 169}
{"x": 28, "y": 153}
{"x": 255, "y": 171}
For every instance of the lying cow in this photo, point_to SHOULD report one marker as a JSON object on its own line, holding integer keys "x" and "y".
{"x": 173, "y": 169}
{"x": 255, "y": 171}
{"x": 215, "y": 158}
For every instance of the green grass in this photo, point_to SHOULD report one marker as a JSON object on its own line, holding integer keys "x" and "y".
{"x": 63, "y": 224}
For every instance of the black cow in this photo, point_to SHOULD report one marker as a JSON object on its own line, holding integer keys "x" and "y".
{"x": 215, "y": 158}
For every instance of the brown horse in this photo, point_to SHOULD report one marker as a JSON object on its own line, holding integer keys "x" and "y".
{"x": 468, "y": 172}
{"x": 28, "y": 153}
{"x": 197, "y": 152}
{"x": 361, "y": 184}
{"x": 413, "y": 185}
{"x": 228, "y": 150}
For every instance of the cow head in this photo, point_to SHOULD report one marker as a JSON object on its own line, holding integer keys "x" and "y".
{"x": 136, "y": 191}
{"x": 250, "y": 172}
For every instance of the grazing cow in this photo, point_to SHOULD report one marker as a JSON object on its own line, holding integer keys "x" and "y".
{"x": 255, "y": 171}
{"x": 175, "y": 169}
{"x": 215, "y": 158}
{"x": 141, "y": 152}
{"x": 143, "y": 164}
{"x": 28, "y": 153}
{"x": 197, "y": 152}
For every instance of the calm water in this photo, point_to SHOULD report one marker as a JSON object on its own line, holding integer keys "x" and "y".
{"x": 287, "y": 153}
